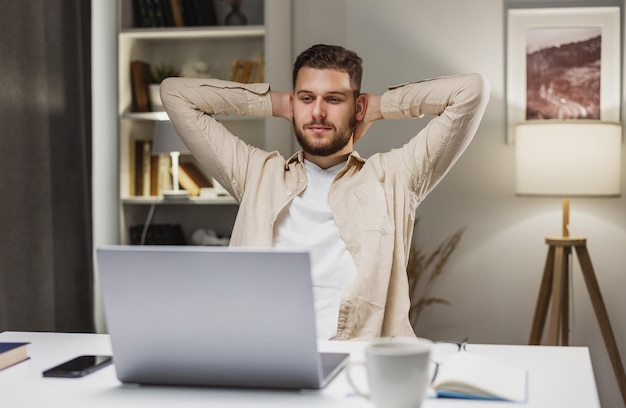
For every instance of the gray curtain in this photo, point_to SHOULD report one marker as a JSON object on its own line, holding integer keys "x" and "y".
{"x": 45, "y": 159}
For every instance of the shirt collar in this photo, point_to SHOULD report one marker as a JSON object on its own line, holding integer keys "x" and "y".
{"x": 353, "y": 159}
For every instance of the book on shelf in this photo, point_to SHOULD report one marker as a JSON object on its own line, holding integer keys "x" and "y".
{"x": 154, "y": 175}
{"x": 146, "y": 162}
{"x": 469, "y": 375}
{"x": 141, "y": 151}
{"x": 142, "y": 14}
{"x": 168, "y": 13}
{"x": 192, "y": 179}
{"x": 198, "y": 12}
{"x": 177, "y": 12}
{"x": 149, "y": 174}
{"x": 173, "y": 13}
{"x": 257, "y": 75}
{"x": 12, "y": 353}
{"x": 151, "y": 13}
{"x": 139, "y": 81}
{"x": 136, "y": 159}
{"x": 206, "y": 12}
{"x": 247, "y": 71}
{"x": 163, "y": 178}
{"x": 140, "y": 167}
{"x": 157, "y": 11}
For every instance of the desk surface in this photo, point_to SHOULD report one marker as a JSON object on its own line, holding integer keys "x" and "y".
{"x": 558, "y": 377}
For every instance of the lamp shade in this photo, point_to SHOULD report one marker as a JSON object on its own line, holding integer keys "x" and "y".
{"x": 166, "y": 139}
{"x": 573, "y": 158}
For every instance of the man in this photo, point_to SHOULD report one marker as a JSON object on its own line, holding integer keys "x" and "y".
{"x": 355, "y": 216}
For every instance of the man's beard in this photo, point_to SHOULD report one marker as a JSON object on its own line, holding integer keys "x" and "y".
{"x": 341, "y": 139}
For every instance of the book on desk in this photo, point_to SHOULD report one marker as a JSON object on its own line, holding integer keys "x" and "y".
{"x": 12, "y": 353}
{"x": 472, "y": 376}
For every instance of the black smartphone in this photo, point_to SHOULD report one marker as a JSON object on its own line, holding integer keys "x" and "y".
{"x": 78, "y": 367}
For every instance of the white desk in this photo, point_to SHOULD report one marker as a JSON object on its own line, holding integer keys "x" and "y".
{"x": 558, "y": 377}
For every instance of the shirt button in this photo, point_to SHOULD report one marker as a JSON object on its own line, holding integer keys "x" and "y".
{"x": 289, "y": 193}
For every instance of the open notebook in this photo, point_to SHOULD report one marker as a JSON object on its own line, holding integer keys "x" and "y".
{"x": 212, "y": 316}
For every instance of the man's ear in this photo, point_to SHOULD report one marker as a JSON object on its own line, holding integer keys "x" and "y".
{"x": 361, "y": 107}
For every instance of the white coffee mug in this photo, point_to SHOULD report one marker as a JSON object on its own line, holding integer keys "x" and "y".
{"x": 397, "y": 372}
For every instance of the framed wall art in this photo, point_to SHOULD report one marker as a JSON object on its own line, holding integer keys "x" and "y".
{"x": 562, "y": 64}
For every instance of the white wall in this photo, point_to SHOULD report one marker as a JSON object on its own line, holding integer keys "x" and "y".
{"x": 493, "y": 277}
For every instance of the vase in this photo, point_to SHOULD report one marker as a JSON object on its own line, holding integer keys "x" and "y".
{"x": 236, "y": 17}
{"x": 155, "y": 98}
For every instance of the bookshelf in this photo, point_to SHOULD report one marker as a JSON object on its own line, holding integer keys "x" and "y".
{"x": 215, "y": 49}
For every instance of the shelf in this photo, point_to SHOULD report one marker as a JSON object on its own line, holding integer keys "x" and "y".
{"x": 155, "y": 116}
{"x": 218, "y": 46}
{"x": 185, "y": 33}
{"x": 227, "y": 200}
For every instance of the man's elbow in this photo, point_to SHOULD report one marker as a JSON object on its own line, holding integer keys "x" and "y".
{"x": 168, "y": 90}
{"x": 479, "y": 85}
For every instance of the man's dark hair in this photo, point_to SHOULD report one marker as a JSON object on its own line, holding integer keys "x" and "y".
{"x": 322, "y": 56}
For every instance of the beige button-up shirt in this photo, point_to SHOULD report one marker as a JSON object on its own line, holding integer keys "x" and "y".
{"x": 373, "y": 201}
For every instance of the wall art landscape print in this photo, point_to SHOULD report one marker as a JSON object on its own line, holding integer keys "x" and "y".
{"x": 562, "y": 64}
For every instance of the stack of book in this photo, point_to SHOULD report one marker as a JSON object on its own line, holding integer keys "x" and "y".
{"x": 173, "y": 13}
{"x": 247, "y": 71}
{"x": 150, "y": 175}
{"x": 192, "y": 179}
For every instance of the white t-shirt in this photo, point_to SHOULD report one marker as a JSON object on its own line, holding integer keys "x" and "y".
{"x": 308, "y": 224}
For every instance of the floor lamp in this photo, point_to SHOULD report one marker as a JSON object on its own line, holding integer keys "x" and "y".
{"x": 571, "y": 158}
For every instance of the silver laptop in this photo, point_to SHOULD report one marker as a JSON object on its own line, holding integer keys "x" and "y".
{"x": 213, "y": 316}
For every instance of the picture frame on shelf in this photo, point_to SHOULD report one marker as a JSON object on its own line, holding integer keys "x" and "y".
{"x": 562, "y": 63}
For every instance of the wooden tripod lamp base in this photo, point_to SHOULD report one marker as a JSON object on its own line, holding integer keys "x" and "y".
{"x": 555, "y": 286}
{"x": 581, "y": 158}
